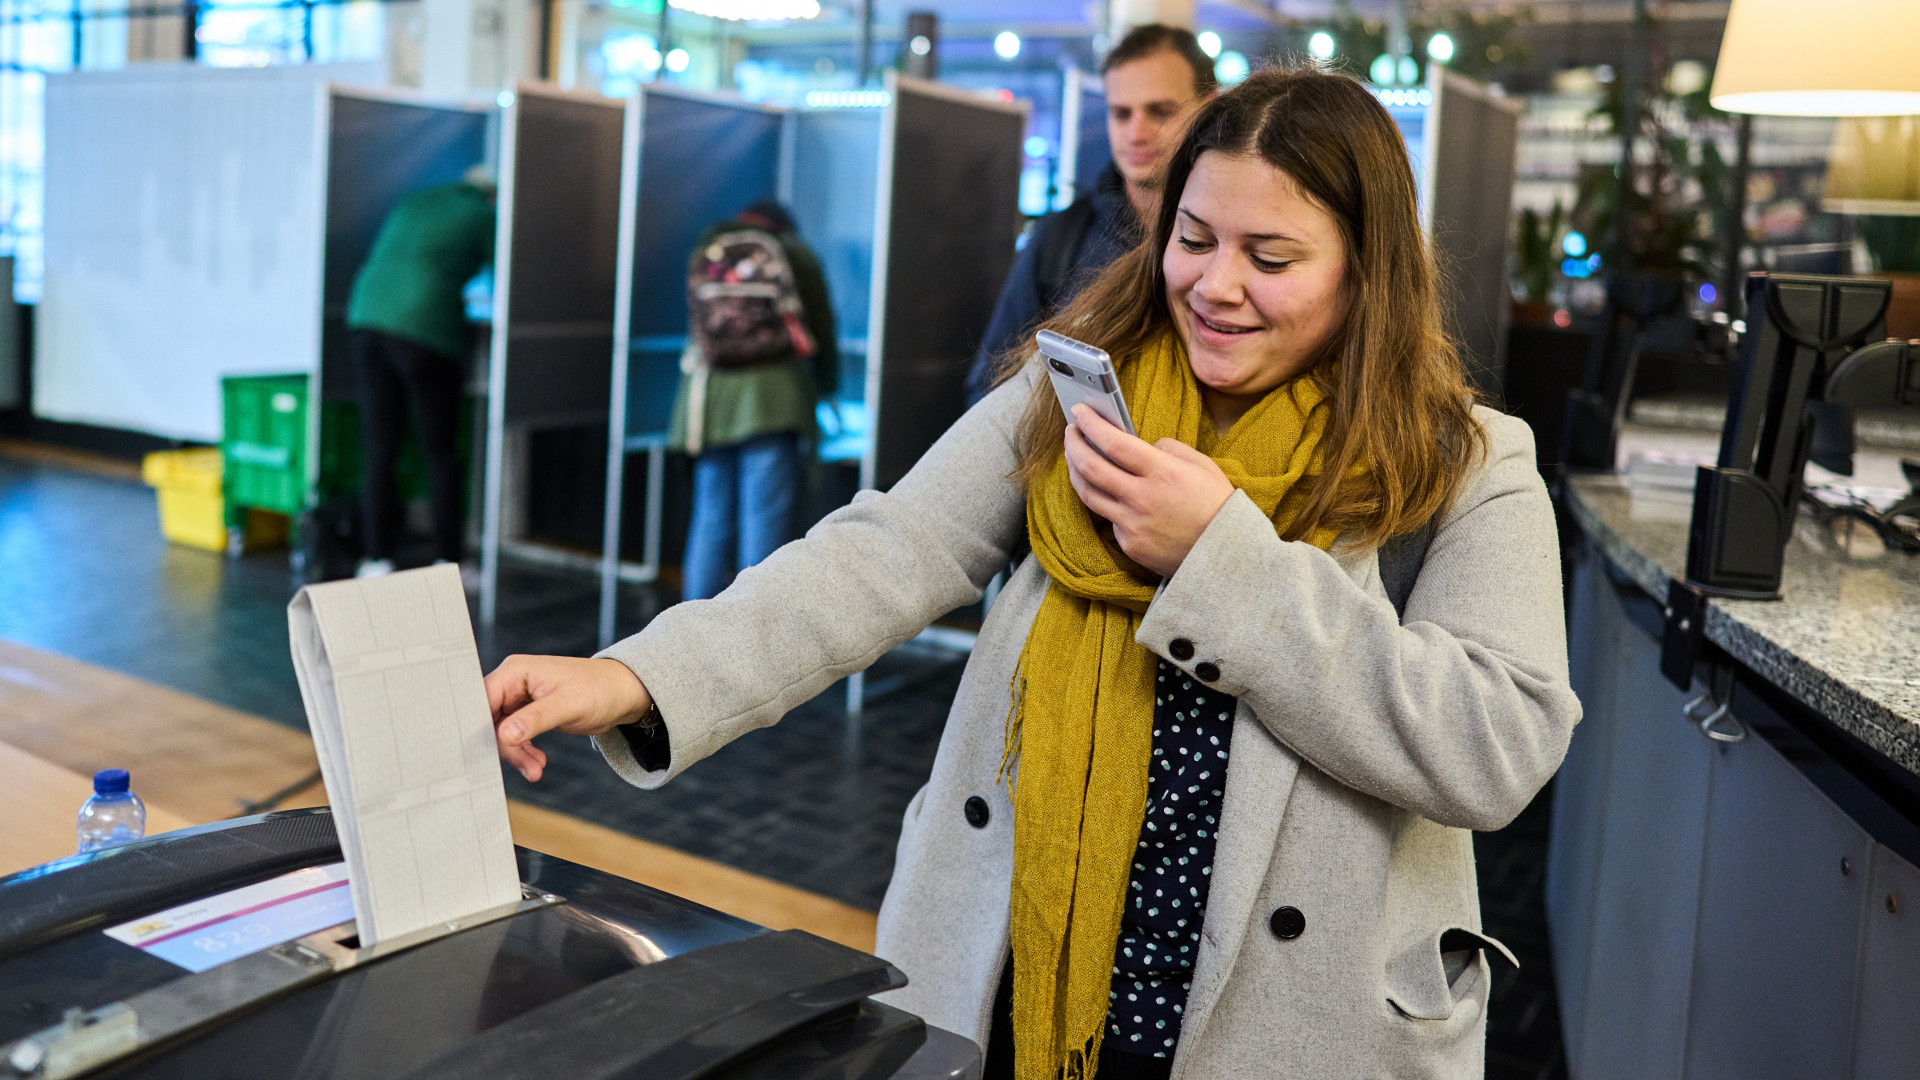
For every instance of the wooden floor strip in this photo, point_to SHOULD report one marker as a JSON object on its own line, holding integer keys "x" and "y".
{"x": 194, "y": 762}
{"x": 84, "y": 461}
{"x": 200, "y": 760}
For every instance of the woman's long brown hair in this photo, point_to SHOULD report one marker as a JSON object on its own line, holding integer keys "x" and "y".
{"x": 1400, "y": 402}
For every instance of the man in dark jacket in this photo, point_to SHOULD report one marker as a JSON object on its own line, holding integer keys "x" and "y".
{"x": 1154, "y": 79}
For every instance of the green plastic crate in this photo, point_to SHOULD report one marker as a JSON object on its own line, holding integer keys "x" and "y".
{"x": 264, "y": 442}
{"x": 265, "y": 446}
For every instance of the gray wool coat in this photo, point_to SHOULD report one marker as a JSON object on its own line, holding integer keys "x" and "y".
{"x": 1366, "y": 745}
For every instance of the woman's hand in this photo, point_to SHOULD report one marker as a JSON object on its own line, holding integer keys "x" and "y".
{"x": 530, "y": 695}
{"x": 1159, "y": 497}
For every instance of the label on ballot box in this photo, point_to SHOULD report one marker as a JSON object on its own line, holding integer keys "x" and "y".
{"x": 212, "y": 930}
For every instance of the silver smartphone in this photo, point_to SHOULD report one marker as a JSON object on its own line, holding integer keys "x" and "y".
{"x": 1082, "y": 374}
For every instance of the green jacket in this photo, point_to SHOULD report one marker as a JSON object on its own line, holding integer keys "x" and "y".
{"x": 430, "y": 246}
{"x": 778, "y": 395}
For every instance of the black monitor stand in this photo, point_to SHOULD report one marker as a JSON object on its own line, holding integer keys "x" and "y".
{"x": 1807, "y": 342}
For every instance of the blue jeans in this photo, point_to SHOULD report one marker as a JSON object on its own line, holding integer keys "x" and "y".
{"x": 743, "y": 498}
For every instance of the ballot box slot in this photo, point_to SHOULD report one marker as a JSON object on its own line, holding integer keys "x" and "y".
{"x": 689, "y": 1016}
{"x": 88, "y": 1038}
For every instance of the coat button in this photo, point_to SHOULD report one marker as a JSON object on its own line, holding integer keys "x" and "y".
{"x": 977, "y": 812}
{"x": 1287, "y": 923}
{"x": 1207, "y": 672}
{"x": 1181, "y": 648}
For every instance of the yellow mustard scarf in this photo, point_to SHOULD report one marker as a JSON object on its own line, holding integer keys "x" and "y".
{"x": 1082, "y": 718}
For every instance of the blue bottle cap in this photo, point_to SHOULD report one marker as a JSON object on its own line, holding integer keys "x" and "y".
{"x": 109, "y": 781}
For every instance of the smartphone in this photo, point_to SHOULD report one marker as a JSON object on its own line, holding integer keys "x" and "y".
{"x": 1083, "y": 375}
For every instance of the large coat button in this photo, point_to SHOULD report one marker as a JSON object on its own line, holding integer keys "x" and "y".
{"x": 1181, "y": 648}
{"x": 1207, "y": 672}
{"x": 1287, "y": 923}
{"x": 977, "y": 812}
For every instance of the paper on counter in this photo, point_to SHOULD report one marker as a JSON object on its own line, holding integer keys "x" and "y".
{"x": 399, "y": 716}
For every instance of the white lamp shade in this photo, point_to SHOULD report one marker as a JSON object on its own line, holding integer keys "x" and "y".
{"x": 1833, "y": 58}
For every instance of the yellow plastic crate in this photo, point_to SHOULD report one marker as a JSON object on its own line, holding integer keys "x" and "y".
{"x": 192, "y": 508}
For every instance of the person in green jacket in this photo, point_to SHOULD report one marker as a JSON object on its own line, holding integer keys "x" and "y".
{"x": 408, "y": 341}
{"x": 744, "y": 423}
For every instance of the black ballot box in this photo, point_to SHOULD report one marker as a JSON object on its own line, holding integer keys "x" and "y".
{"x": 221, "y": 952}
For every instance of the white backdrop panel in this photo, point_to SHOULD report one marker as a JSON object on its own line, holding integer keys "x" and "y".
{"x": 184, "y": 233}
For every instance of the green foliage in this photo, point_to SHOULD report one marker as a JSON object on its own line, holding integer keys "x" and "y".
{"x": 1534, "y": 250}
{"x": 1679, "y": 203}
{"x": 1482, "y": 43}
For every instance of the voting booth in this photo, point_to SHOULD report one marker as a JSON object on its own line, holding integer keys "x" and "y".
{"x": 555, "y": 267}
{"x": 913, "y": 209}
{"x": 208, "y": 222}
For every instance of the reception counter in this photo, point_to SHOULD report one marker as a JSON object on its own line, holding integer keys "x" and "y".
{"x": 1737, "y": 898}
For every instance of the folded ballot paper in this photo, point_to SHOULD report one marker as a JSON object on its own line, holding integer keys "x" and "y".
{"x": 399, "y": 716}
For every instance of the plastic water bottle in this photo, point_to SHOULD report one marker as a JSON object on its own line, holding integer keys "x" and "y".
{"x": 112, "y": 815}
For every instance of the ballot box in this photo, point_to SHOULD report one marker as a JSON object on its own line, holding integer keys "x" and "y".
{"x": 229, "y": 951}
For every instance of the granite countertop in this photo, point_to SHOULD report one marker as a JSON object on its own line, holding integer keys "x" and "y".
{"x": 1845, "y": 640}
{"x": 1890, "y": 428}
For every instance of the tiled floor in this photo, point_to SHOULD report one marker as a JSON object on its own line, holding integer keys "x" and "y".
{"x": 814, "y": 801}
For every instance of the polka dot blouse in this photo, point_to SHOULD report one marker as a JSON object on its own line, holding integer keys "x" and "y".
{"x": 1167, "y": 891}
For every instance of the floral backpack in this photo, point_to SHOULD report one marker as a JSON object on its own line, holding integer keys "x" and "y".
{"x": 743, "y": 307}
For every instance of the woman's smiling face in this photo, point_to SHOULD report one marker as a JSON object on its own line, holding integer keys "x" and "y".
{"x": 1255, "y": 279}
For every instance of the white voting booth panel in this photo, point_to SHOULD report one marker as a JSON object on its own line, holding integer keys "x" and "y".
{"x": 183, "y": 241}
{"x": 204, "y": 222}
{"x": 553, "y": 295}
{"x": 912, "y": 208}
{"x": 690, "y": 160}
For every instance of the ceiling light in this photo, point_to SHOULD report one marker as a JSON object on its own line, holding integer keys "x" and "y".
{"x": 1210, "y": 43}
{"x": 1232, "y": 68}
{"x": 1006, "y": 45}
{"x": 751, "y": 10}
{"x": 1321, "y": 45}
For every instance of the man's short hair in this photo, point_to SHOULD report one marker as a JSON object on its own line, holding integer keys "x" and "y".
{"x": 1144, "y": 41}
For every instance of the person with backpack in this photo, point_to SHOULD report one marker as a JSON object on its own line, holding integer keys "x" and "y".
{"x": 1203, "y": 807}
{"x": 760, "y": 352}
{"x": 1153, "y": 80}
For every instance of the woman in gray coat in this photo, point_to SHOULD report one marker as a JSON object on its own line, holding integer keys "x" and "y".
{"x": 1202, "y": 805}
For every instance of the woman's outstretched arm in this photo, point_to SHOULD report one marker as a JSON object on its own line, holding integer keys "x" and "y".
{"x": 869, "y": 576}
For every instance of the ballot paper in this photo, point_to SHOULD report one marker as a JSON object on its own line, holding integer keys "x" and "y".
{"x": 399, "y": 715}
